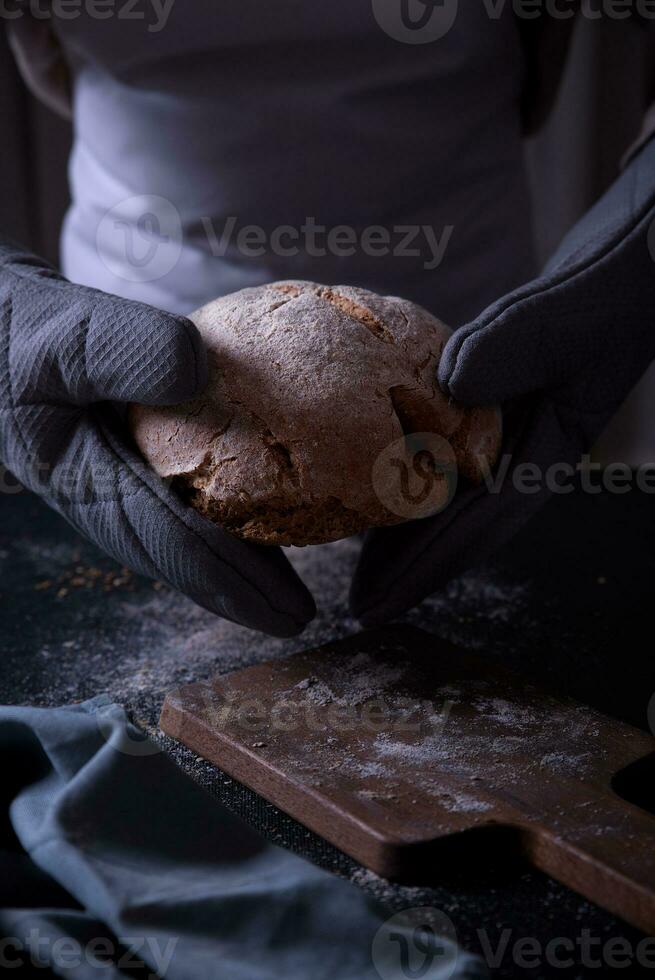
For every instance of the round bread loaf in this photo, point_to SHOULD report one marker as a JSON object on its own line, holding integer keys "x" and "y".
{"x": 303, "y": 431}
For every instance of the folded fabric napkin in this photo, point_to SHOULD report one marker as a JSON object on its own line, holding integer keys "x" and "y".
{"x": 115, "y": 863}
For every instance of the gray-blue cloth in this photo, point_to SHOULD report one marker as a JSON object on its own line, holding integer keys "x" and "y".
{"x": 111, "y": 854}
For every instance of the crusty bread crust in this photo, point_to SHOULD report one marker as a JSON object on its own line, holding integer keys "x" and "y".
{"x": 308, "y": 386}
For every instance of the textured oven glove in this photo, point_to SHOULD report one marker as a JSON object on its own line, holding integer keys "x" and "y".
{"x": 69, "y": 356}
{"x": 561, "y": 353}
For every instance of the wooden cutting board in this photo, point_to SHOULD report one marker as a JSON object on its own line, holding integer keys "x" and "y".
{"x": 409, "y": 754}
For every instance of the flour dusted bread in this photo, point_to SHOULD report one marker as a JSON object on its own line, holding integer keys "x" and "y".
{"x": 309, "y": 387}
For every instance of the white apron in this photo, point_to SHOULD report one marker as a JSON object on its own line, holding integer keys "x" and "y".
{"x": 241, "y": 142}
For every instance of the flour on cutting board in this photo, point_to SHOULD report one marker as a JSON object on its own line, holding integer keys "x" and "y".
{"x": 461, "y": 734}
{"x": 360, "y": 680}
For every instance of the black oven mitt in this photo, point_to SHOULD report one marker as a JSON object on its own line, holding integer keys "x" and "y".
{"x": 70, "y": 356}
{"x": 561, "y": 353}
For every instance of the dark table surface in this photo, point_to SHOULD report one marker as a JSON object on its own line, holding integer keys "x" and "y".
{"x": 571, "y": 602}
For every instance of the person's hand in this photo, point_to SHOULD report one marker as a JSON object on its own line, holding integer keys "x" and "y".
{"x": 69, "y": 356}
{"x": 562, "y": 353}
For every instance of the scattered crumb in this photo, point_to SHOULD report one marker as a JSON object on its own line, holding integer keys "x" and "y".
{"x": 86, "y": 577}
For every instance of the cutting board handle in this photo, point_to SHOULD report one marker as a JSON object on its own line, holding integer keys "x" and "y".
{"x": 608, "y": 856}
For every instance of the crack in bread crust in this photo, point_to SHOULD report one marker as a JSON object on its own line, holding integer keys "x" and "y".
{"x": 288, "y": 288}
{"x": 357, "y": 312}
